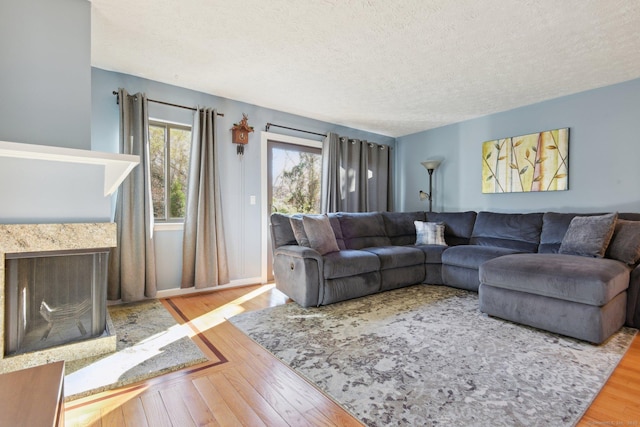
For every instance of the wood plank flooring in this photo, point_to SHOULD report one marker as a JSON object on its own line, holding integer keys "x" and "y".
{"x": 243, "y": 384}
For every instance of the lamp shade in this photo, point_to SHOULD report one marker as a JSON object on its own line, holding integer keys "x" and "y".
{"x": 431, "y": 164}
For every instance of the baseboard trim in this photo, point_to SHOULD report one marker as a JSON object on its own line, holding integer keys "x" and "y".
{"x": 167, "y": 293}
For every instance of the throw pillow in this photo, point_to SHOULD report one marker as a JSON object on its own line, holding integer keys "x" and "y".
{"x": 320, "y": 234}
{"x": 625, "y": 244}
{"x": 430, "y": 233}
{"x": 298, "y": 231}
{"x": 589, "y": 235}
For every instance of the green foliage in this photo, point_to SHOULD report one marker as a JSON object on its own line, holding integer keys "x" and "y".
{"x": 156, "y": 152}
{"x": 178, "y": 200}
{"x": 298, "y": 188}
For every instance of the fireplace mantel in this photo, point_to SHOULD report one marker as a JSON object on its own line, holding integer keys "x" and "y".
{"x": 116, "y": 166}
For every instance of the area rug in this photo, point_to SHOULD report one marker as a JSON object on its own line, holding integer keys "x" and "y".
{"x": 149, "y": 343}
{"x": 425, "y": 355}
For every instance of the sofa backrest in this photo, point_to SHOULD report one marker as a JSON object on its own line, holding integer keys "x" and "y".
{"x": 281, "y": 231}
{"x": 458, "y": 226}
{"x": 362, "y": 229}
{"x": 508, "y": 230}
{"x": 629, "y": 216}
{"x": 555, "y": 225}
{"x": 400, "y": 228}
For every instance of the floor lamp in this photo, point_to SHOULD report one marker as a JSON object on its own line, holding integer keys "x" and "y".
{"x": 430, "y": 166}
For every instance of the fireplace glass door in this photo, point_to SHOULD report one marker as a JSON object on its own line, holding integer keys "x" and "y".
{"x": 54, "y": 298}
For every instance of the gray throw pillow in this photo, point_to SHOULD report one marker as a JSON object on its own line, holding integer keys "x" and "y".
{"x": 320, "y": 234}
{"x": 298, "y": 231}
{"x": 589, "y": 235}
{"x": 625, "y": 244}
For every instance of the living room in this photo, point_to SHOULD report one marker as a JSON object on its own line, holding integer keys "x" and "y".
{"x": 51, "y": 73}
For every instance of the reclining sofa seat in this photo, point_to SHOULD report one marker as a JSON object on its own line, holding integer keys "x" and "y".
{"x": 311, "y": 279}
{"x": 493, "y": 235}
{"x": 399, "y": 265}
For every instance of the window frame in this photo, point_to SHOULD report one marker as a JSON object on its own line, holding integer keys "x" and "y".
{"x": 167, "y": 125}
{"x": 300, "y": 148}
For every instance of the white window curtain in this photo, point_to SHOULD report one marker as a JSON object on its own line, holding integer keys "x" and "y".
{"x": 356, "y": 175}
{"x": 204, "y": 257}
{"x": 132, "y": 265}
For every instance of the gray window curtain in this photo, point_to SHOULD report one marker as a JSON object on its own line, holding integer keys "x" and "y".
{"x": 204, "y": 257}
{"x": 132, "y": 265}
{"x": 356, "y": 175}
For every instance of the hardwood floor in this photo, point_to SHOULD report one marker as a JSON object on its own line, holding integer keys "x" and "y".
{"x": 243, "y": 384}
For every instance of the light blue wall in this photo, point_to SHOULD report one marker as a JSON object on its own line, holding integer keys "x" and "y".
{"x": 604, "y": 151}
{"x": 45, "y": 84}
{"x": 45, "y": 99}
{"x": 240, "y": 175}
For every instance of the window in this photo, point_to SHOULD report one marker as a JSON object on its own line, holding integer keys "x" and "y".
{"x": 169, "y": 148}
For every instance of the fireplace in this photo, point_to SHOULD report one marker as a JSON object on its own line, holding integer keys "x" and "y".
{"x": 54, "y": 298}
{"x": 53, "y": 293}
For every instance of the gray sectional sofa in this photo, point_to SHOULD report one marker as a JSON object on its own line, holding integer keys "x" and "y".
{"x": 512, "y": 260}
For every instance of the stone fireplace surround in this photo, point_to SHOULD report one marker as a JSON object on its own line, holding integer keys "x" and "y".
{"x": 23, "y": 238}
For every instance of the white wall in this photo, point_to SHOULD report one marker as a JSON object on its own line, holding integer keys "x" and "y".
{"x": 604, "y": 150}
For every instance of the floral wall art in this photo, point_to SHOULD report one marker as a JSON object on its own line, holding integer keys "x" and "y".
{"x": 534, "y": 162}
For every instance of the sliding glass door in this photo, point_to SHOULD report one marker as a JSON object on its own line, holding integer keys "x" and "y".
{"x": 292, "y": 173}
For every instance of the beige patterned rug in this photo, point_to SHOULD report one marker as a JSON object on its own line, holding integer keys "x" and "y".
{"x": 149, "y": 343}
{"x": 425, "y": 355}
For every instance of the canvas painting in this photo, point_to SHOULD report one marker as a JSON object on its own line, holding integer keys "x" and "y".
{"x": 534, "y": 162}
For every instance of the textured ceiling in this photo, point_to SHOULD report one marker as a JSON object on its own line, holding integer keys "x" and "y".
{"x": 390, "y": 67}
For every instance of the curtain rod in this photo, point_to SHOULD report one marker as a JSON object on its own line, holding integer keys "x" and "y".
{"x": 266, "y": 128}
{"x": 172, "y": 105}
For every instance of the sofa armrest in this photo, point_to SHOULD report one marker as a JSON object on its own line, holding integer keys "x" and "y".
{"x": 633, "y": 299}
{"x": 298, "y": 271}
{"x": 298, "y": 251}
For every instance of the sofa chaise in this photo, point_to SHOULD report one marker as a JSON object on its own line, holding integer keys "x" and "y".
{"x": 522, "y": 265}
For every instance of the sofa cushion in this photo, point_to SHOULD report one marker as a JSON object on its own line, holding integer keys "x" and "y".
{"x": 397, "y": 256}
{"x": 363, "y": 230}
{"x": 298, "y": 231}
{"x": 458, "y": 226}
{"x": 506, "y": 230}
{"x": 625, "y": 243}
{"x": 589, "y": 235}
{"x": 432, "y": 253}
{"x": 399, "y": 226}
{"x": 567, "y": 277}
{"x": 337, "y": 230}
{"x": 320, "y": 234}
{"x": 430, "y": 233}
{"x": 471, "y": 256}
{"x": 349, "y": 262}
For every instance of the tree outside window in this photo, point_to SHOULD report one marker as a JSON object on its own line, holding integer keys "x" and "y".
{"x": 169, "y": 146}
{"x": 296, "y": 180}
